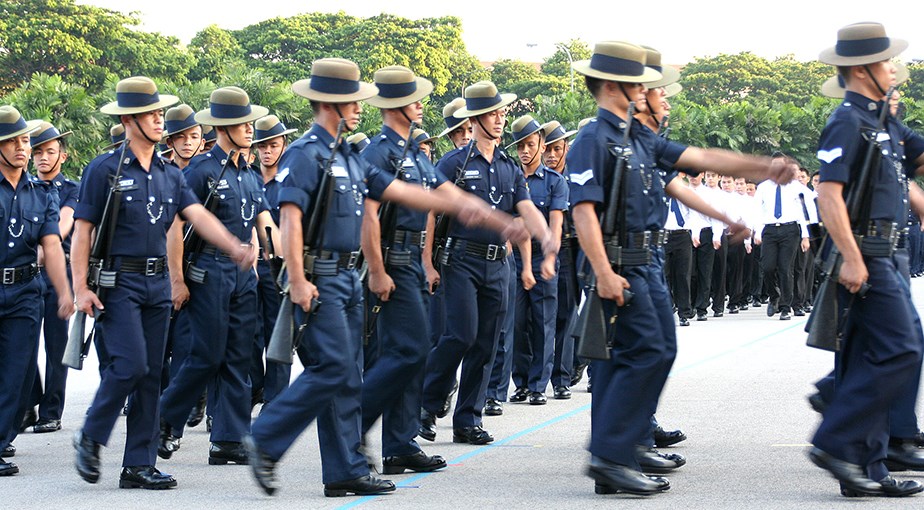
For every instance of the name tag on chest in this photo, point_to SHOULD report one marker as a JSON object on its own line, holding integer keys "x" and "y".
{"x": 223, "y": 184}
{"x": 472, "y": 174}
{"x": 339, "y": 171}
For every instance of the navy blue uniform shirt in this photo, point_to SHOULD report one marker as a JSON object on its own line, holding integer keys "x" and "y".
{"x": 240, "y": 190}
{"x": 591, "y": 166}
{"x": 842, "y": 148}
{"x": 500, "y": 183}
{"x": 300, "y": 176}
{"x": 67, "y": 197}
{"x": 548, "y": 191}
{"x": 271, "y": 194}
{"x": 150, "y": 200}
{"x": 384, "y": 152}
{"x": 27, "y": 214}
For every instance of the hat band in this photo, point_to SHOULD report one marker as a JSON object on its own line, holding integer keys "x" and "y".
{"x": 229, "y": 111}
{"x": 136, "y": 99}
{"x": 532, "y": 127}
{"x": 862, "y": 47}
{"x": 44, "y": 136}
{"x": 556, "y": 133}
{"x": 451, "y": 121}
{"x": 329, "y": 85}
{"x": 208, "y": 137}
{"x": 6, "y": 128}
{"x": 117, "y": 139}
{"x": 175, "y": 126}
{"x": 480, "y": 103}
{"x": 421, "y": 137}
{"x": 659, "y": 69}
{"x": 396, "y": 90}
{"x": 616, "y": 65}
{"x": 274, "y": 131}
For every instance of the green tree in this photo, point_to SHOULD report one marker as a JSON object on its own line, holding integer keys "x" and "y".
{"x": 559, "y": 65}
{"x": 214, "y": 50}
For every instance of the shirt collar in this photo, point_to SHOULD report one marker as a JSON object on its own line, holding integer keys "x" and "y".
{"x": 220, "y": 155}
{"x": 862, "y": 102}
{"x": 156, "y": 162}
{"x": 322, "y": 135}
{"x": 611, "y": 118}
{"x": 23, "y": 180}
{"x": 392, "y": 136}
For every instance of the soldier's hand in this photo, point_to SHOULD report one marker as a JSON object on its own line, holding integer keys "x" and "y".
{"x": 381, "y": 285}
{"x": 782, "y": 170}
{"x": 244, "y": 256}
{"x": 529, "y": 281}
{"x": 87, "y": 300}
{"x": 65, "y": 306}
{"x": 550, "y": 246}
{"x": 433, "y": 277}
{"x": 738, "y": 232}
{"x": 717, "y": 244}
{"x": 696, "y": 241}
{"x": 473, "y": 213}
{"x": 610, "y": 286}
{"x": 804, "y": 244}
{"x": 853, "y": 275}
{"x": 548, "y": 268}
{"x": 179, "y": 294}
{"x": 302, "y": 293}
{"x": 515, "y": 232}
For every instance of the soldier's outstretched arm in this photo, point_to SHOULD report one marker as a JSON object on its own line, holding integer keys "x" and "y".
{"x": 212, "y": 230}
{"x": 754, "y": 168}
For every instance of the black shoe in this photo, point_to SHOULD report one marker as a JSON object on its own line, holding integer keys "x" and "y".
{"x": 447, "y": 404}
{"x": 30, "y": 418}
{"x": 817, "y": 402}
{"x": 611, "y": 478}
{"x": 807, "y": 308}
{"x": 653, "y": 461}
{"x": 145, "y": 477}
{"x": 261, "y": 465}
{"x": 755, "y": 303}
{"x": 732, "y": 310}
{"x": 851, "y": 476}
{"x": 891, "y": 488}
{"x": 537, "y": 399}
{"x": 87, "y": 457}
{"x": 771, "y": 309}
{"x": 562, "y": 393}
{"x": 520, "y": 395}
{"x": 664, "y": 438}
{"x": 363, "y": 486}
{"x": 578, "y": 374}
{"x": 919, "y": 439}
{"x": 419, "y": 462}
{"x": 9, "y": 451}
{"x": 491, "y": 408}
{"x": 222, "y": 452}
{"x": 471, "y": 435}
{"x": 427, "y": 429}
{"x": 743, "y": 307}
{"x": 798, "y": 312}
{"x": 168, "y": 442}
{"x": 718, "y": 314}
{"x": 197, "y": 413}
{"x": 701, "y": 317}
{"x": 784, "y": 316}
{"x": 684, "y": 321}
{"x": 45, "y": 426}
{"x": 8, "y": 468}
{"x": 904, "y": 455}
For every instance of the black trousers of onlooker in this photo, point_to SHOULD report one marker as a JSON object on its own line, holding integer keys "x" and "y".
{"x": 756, "y": 275}
{"x": 778, "y": 251}
{"x": 678, "y": 264}
{"x": 719, "y": 264}
{"x": 735, "y": 276}
{"x": 802, "y": 272}
{"x": 703, "y": 256}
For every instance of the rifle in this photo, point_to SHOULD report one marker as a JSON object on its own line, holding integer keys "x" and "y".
{"x": 590, "y": 325}
{"x": 193, "y": 243}
{"x": 441, "y": 230}
{"x": 100, "y": 275}
{"x": 825, "y": 327}
{"x": 388, "y": 219}
{"x": 285, "y": 339}
{"x": 664, "y": 129}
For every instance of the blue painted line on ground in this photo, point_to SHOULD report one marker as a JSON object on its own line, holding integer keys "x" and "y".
{"x": 407, "y": 483}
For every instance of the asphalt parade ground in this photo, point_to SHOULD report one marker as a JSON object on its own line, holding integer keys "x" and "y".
{"x": 738, "y": 390}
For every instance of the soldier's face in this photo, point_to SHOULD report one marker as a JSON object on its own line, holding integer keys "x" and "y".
{"x": 16, "y": 150}
{"x": 426, "y": 148}
{"x": 48, "y": 157}
{"x": 493, "y": 122}
{"x": 414, "y": 111}
{"x": 528, "y": 148}
{"x": 270, "y": 150}
{"x": 352, "y": 113}
{"x": 241, "y": 134}
{"x": 554, "y": 155}
{"x": 655, "y": 99}
{"x": 187, "y": 143}
{"x": 151, "y": 123}
{"x": 461, "y": 135}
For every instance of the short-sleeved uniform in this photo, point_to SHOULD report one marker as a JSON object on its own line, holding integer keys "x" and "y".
{"x": 475, "y": 283}
{"x": 222, "y": 309}
{"x": 50, "y": 401}
{"x": 392, "y": 383}
{"x": 137, "y": 310}
{"x": 881, "y": 354}
{"x": 628, "y": 385}
{"x": 329, "y": 389}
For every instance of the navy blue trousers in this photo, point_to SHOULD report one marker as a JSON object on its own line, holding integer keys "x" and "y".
{"x": 20, "y": 309}
{"x": 135, "y": 329}
{"x": 499, "y": 382}
{"x": 329, "y": 389}
{"x": 50, "y": 397}
{"x": 477, "y": 290}
{"x": 568, "y": 294}
{"x": 272, "y": 377}
{"x": 534, "y": 333}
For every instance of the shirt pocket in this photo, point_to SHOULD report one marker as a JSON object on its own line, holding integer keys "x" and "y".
{"x": 30, "y": 227}
{"x": 347, "y": 198}
{"x": 133, "y": 206}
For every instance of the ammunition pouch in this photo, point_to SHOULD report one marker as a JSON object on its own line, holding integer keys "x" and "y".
{"x": 329, "y": 263}
{"x": 98, "y": 278}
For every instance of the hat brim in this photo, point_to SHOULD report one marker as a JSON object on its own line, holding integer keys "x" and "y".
{"x": 256, "y": 112}
{"x": 284, "y": 133}
{"x": 187, "y": 128}
{"x": 112, "y": 146}
{"x": 567, "y": 134}
{"x": 672, "y": 89}
{"x": 523, "y": 137}
{"x": 669, "y": 75}
{"x": 831, "y": 88}
{"x": 113, "y": 108}
{"x": 465, "y": 113}
{"x": 424, "y": 88}
{"x": 303, "y": 88}
{"x": 31, "y": 125}
{"x": 450, "y": 129}
{"x": 53, "y": 138}
{"x": 648, "y": 75}
{"x": 830, "y": 56}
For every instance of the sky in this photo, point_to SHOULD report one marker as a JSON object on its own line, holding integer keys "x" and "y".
{"x": 680, "y": 30}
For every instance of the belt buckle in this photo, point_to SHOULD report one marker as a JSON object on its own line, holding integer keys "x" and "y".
{"x": 492, "y": 252}
{"x": 9, "y": 275}
{"x": 354, "y": 256}
{"x": 150, "y": 267}
{"x": 646, "y": 238}
{"x": 423, "y": 239}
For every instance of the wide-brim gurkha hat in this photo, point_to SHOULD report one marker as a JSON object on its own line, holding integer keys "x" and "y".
{"x": 523, "y": 127}
{"x": 359, "y": 140}
{"x": 334, "y": 80}
{"x": 398, "y": 87}
{"x": 45, "y": 133}
{"x": 618, "y": 61}
{"x": 116, "y": 137}
{"x": 482, "y": 97}
{"x": 669, "y": 75}
{"x": 269, "y": 127}
{"x": 672, "y": 89}
{"x": 230, "y": 106}
{"x": 554, "y": 132}
{"x": 862, "y": 43}
{"x": 420, "y": 136}
{"x": 12, "y": 124}
{"x": 452, "y": 122}
{"x": 179, "y": 119}
{"x": 208, "y": 133}
{"x": 834, "y": 86}
{"x": 138, "y": 94}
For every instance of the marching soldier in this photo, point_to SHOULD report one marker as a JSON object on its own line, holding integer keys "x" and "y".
{"x": 183, "y": 134}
